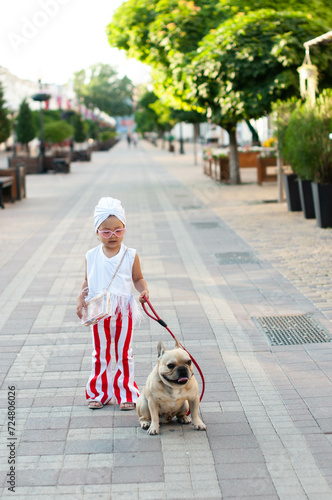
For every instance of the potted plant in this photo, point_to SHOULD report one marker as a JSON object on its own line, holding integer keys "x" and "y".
{"x": 322, "y": 185}
{"x": 221, "y": 161}
{"x": 297, "y": 149}
{"x": 309, "y": 150}
{"x": 282, "y": 114}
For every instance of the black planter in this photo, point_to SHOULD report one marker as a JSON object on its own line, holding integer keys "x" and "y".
{"x": 322, "y": 195}
{"x": 292, "y": 192}
{"x": 306, "y": 198}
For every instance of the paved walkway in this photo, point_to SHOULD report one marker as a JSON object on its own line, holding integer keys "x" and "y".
{"x": 268, "y": 408}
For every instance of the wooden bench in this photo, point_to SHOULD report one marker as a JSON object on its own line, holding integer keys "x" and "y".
{"x": 263, "y": 163}
{"x": 30, "y": 163}
{"x": 33, "y": 165}
{"x": 5, "y": 183}
{"x": 18, "y": 186}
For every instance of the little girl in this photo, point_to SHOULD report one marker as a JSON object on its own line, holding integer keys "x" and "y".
{"x": 100, "y": 265}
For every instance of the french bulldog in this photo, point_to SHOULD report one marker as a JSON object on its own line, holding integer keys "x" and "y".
{"x": 170, "y": 390}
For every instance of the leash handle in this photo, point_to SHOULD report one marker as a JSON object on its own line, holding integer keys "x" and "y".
{"x": 157, "y": 318}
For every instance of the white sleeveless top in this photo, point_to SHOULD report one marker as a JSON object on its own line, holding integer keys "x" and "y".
{"x": 100, "y": 270}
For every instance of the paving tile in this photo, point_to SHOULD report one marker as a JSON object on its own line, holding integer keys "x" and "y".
{"x": 137, "y": 445}
{"x": 138, "y": 474}
{"x": 238, "y": 456}
{"x": 93, "y": 476}
{"x": 138, "y": 459}
{"x": 94, "y": 421}
{"x": 44, "y": 435}
{"x": 240, "y": 488}
{"x": 92, "y": 446}
{"x": 237, "y": 471}
{"x": 47, "y": 423}
{"x": 41, "y": 448}
{"x": 37, "y": 478}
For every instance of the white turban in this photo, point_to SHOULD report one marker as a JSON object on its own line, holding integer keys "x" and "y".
{"x": 106, "y": 207}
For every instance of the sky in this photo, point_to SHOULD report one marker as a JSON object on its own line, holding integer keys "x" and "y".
{"x": 51, "y": 39}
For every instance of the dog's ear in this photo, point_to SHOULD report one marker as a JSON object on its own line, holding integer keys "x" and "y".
{"x": 177, "y": 344}
{"x": 160, "y": 348}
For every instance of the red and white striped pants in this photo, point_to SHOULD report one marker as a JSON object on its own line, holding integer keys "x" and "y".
{"x": 101, "y": 387}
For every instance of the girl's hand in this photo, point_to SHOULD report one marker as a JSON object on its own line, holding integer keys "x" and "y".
{"x": 144, "y": 295}
{"x": 80, "y": 305}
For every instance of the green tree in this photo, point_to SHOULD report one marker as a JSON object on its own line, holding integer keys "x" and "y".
{"x": 58, "y": 131}
{"x": 145, "y": 116}
{"x": 153, "y": 32}
{"x": 93, "y": 129}
{"x": 249, "y": 62}
{"x": 227, "y": 58}
{"x": 25, "y": 128}
{"x": 153, "y": 114}
{"x": 100, "y": 87}
{"x": 80, "y": 132}
{"x": 165, "y": 119}
{"x": 5, "y": 125}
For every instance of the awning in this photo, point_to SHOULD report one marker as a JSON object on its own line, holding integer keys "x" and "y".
{"x": 326, "y": 38}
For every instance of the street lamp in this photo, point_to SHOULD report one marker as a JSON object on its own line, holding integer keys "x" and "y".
{"x": 13, "y": 117}
{"x": 41, "y": 96}
{"x": 181, "y": 140}
{"x": 14, "y": 138}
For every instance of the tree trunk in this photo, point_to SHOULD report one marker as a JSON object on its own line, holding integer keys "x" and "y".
{"x": 196, "y": 135}
{"x": 234, "y": 167}
{"x": 254, "y": 134}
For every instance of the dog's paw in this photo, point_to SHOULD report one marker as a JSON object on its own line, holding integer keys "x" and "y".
{"x": 199, "y": 425}
{"x": 184, "y": 419}
{"x": 145, "y": 424}
{"x": 153, "y": 430}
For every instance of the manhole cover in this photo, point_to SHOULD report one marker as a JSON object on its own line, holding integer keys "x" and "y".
{"x": 205, "y": 225}
{"x": 229, "y": 258}
{"x": 289, "y": 330}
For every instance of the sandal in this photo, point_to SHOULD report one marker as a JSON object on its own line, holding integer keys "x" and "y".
{"x": 127, "y": 406}
{"x": 94, "y": 405}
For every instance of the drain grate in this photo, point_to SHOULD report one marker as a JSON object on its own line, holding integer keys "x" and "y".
{"x": 290, "y": 330}
{"x": 191, "y": 207}
{"x": 229, "y": 258}
{"x": 205, "y": 225}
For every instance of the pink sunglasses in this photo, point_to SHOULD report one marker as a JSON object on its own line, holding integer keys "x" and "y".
{"x": 108, "y": 234}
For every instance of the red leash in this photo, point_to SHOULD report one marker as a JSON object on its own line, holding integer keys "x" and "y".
{"x": 162, "y": 323}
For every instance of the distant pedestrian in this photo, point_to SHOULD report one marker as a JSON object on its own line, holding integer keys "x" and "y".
{"x": 129, "y": 139}
{"x": 112, "y": 260}
{"x": 135, "y": 139}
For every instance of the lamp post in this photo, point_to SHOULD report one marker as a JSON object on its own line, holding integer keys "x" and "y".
{"x": 41, "y": 96}
{"x": 14, "y": 138}
{"x": 181, "y": 140}
{"x": 14, "y": 135}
